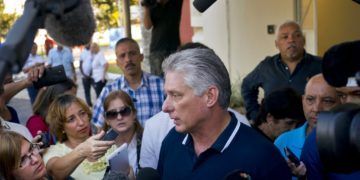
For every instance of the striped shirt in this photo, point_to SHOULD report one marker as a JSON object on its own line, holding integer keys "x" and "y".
{"x": 148, "y": 97}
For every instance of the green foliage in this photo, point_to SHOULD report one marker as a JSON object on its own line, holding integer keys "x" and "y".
{"x": 107, "y": 13}
{"x": 113, "y": 68}
{"x": 6, "y": 21}
{"x": 236, "y": 100}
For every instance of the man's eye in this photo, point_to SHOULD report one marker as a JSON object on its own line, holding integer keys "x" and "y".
{"x": 329, "y": 101}
{"x": 310, "y": 100}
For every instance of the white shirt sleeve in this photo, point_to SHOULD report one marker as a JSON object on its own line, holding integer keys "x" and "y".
{"x": 156, "y": 129}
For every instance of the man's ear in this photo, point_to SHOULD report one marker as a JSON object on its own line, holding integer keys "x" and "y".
{"x": 212, "y": 96}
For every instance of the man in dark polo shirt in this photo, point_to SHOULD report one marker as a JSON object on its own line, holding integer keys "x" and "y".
{"x": 292, "y": 67}
{"x": 208, "y": 142}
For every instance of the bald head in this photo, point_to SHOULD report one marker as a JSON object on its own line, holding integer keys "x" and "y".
{"x": 319, "y": 96}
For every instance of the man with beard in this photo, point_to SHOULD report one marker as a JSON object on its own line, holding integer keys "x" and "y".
{"x": 146, "y": 90}
{"x": 292, "y": 67}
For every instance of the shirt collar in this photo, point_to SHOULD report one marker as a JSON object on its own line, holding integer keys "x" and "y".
{"x": 144, "y": 80}
{"x": 225, "y": 138}
{"x": 303, "y": 59}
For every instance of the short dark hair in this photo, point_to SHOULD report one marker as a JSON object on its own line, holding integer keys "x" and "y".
{"x": 281, "y": 103}
{"x": 192, "y": 45}
{"x": 126, "y": 39}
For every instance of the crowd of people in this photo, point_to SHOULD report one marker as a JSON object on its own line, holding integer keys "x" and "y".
{"x": 179, "y": 123}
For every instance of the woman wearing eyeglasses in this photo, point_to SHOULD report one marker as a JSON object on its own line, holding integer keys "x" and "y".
{"x": 76, "y": 153}
{"x": 20, "y": 159}
{"x": 120, "y": 116}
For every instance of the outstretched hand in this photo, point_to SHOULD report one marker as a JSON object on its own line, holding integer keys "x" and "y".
{"x": 94, "y": 148}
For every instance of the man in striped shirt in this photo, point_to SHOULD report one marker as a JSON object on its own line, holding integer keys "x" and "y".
{"x": 145, "y": 89}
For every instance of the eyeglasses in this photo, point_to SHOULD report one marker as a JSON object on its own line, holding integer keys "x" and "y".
{"x": 113, "y": 114}
{"x": 33, "y": 150}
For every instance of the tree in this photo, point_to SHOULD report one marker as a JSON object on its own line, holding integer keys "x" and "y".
{"x": 6, "y": 20}
{"x": 107, "y": 13}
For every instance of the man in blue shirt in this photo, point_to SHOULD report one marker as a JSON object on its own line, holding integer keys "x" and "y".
{"x": 319, "y": 96}
{"x": 145, "y": 89}
{"x": 292, "y": 67}
{"x": 61, "y": 55}
{"x": 342, "y": 54}
{"x": 208, "y": 142}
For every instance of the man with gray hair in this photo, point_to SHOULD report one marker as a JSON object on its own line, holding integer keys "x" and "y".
{"x": 292, "y": 67}
{"x": 208, "y": 142}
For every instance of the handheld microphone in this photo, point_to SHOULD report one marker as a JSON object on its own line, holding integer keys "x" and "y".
{"x": 203, "y": 5}
{"x": 148, "y": 173}
{"x": 73, "y": 27}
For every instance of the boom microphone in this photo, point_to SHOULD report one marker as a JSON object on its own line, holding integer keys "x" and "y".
{"x": 203, "y": 5}
{"x": 71, "y": 28}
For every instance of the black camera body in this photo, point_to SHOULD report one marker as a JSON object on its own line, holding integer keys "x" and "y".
{"x": 148, "y": 3}
{"x": 338, "y": 131}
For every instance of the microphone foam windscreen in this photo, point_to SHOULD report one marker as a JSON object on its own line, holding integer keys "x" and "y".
{"x": 73, "y": 28}
{"x": 340, "y": 62}
{"x": 203, "y": 5}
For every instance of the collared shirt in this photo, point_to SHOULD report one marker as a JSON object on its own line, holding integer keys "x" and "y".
{"x": 63, "y": 57}
{"x": 156, "y": 129}
{"x": 148, "y": 97}
{"x": 98, "y": 66}
{"x": 272, "y": 74}
{"x": 293, "y": 139}
{"x": 85, "y": 58}
{"x": 238, "y": 148}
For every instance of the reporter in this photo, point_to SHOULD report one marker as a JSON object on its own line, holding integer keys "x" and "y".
{"x": 120, "y": 115}
{"x": 76, "y": 152}
{"x": 36, "y": 122}
{"x": 20, "y": 159}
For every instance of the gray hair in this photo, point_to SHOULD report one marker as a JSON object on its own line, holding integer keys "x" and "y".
{"x": 288, "y": 23}
{"x": 202, "y": 68}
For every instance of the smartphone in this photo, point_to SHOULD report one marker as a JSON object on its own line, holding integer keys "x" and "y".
{"x": 119, "y": 160}
{"x": 292, "y": 157}
{"x": 45, "y": 139}
{"x": 110, "y": 135}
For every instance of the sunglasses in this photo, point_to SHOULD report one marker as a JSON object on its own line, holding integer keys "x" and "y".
{"x": 113, "y": 114}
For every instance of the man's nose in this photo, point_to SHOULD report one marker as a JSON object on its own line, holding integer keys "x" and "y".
{"x": 167, "y": 105}
{"x": 317, "y": 107}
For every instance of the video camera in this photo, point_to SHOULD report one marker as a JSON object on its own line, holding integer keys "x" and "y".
{"x": 338, "y": 131}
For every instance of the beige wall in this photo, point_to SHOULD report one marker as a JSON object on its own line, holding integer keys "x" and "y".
{"x": 236, "y": 30}
{"x": 338, "y": 21}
